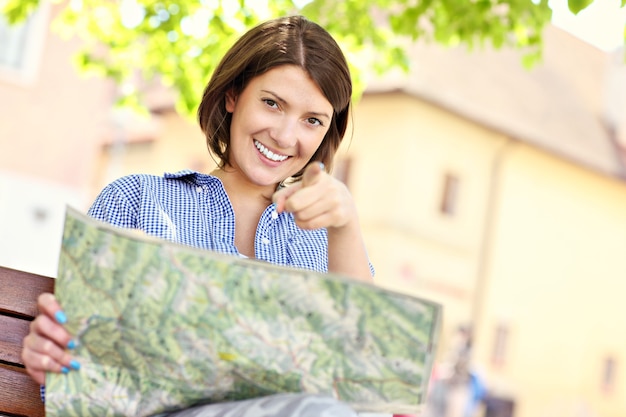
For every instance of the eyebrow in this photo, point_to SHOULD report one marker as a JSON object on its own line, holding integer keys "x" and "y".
{"x": 282, "y": 100}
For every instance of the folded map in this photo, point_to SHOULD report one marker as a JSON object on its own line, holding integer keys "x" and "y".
{"x": 161, "y": 326}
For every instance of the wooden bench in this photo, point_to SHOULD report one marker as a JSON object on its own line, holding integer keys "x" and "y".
{"x": 19, "y": 394}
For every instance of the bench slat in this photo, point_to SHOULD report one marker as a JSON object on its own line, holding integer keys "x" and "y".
{"x": 12, "y": 332}
{"x": 19, "y": 291}
{"x": 19, "y": 394}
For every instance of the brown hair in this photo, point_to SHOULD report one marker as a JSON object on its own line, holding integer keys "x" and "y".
{"x": 290, "y": 40}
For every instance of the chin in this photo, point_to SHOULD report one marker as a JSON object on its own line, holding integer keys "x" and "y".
{"x": 272, "y": 176}
{"x": 265, "y": 180}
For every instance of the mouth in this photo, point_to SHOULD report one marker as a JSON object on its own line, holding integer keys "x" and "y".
{"x": 269, "y": 154}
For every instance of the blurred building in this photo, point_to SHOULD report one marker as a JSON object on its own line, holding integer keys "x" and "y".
{"x": 50, "y": 125}
{"x": 500, "y": 193}
{"x": 494, "y": 190}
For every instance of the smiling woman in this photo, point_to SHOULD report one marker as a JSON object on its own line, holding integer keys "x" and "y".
{"x": 275, "y": 109}
{"x": 275, "y": 45}
{"x": 275, "y": 129}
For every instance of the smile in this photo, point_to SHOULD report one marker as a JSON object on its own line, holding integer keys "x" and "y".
{"x": 269, "y": 154}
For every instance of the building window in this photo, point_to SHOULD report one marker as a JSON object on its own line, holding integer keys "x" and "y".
{"x": 608, "y": 374}
{"x": 13, "y": 43}
{"x": 500, "y": 345}
{"x": 21, "y": 45}
{"x": 450, "y": 194}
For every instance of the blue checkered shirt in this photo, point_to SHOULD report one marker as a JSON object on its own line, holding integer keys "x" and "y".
{"x": 193, "y": 209}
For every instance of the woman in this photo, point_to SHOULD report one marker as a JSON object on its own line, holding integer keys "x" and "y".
{"x": 275, "y": 110}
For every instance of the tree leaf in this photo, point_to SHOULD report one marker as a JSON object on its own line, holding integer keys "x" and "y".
{"x": 576, "y": 6}
{"x": 181, "y": 42}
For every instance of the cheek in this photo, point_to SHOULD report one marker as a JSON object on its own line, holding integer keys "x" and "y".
{"x": 311, "y": 145}
{"x": 242, "y": 123}
{"x": 318, "y": 141}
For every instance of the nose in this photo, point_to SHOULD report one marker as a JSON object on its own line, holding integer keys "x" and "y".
{"x": 285, "y": 133}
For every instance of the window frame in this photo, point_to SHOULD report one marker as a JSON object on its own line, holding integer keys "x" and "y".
{"x": 450, "y": 191}
{"x": 35, "y": 30}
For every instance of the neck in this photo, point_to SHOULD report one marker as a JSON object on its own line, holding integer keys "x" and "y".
{"x": 240, "y": 188}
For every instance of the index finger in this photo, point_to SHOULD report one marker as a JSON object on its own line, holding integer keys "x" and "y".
{"x": 48, "y": 305}
{"x": 312, "y": 173}
{"x": 280, "y": 196}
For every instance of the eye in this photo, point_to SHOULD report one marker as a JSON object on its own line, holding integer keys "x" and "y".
{"x": 271, "y": 103}
{"x": 314, "y": 121}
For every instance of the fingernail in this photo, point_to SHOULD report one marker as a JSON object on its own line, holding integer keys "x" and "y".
{"x": 65, "y": 370}
{"x": 71, "y": 344}
{"x": 60, "y": 317}
{"x": 75, "y": 364}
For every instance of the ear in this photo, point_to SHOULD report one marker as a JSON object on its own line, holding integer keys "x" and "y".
{"x": 231, "y": 100}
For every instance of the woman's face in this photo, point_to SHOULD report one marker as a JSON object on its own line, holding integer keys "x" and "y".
{"x": 278, "y": 122}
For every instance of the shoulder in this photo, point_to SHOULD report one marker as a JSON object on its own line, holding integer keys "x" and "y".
{"x": 135, "y": 182}
{"x": 127, "y": 197}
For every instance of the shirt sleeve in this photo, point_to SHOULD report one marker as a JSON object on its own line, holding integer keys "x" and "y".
{"x": 118, "y": 203}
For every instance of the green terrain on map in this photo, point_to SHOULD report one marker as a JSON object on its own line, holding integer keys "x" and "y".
{"x": 162, "y": 326}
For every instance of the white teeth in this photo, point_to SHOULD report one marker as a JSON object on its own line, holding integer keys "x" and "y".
{"x": 269, "y": 154}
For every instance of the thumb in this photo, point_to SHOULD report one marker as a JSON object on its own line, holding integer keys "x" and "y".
{"x": 311, "y": 173}
{"x": 280, "y": 196}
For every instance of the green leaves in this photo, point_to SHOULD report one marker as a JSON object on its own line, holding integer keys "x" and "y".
{"x": 16, "y": 11}
{"x": 180, "y": 43}
{"x": 576, "y": 6}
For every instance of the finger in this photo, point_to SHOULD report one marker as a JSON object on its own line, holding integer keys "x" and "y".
{"x": 310, "y": 202}
{"x": 46, "y": 328}
{"x": 329, "y": 213}
{"x": 46, "y": 356}
{"x": 303, "y": 198}
{"x": 280, "y": 197}
{"x": 312, "y": 173}
{"x": 42, "y": 355}
{"x": 45, "y": 364}
{"x": 38, "y": 376}
{"x": 317, "y": 222}
{"x": 48, "y": 305}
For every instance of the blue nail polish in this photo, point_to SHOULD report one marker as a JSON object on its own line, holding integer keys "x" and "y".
{"x": 65, "y": 370}
{"x": 75, "y": 364}
{"x": 71, "y": 344}
{"x": 60, "y": 317}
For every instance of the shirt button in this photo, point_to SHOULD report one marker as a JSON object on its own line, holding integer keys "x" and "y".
{"x": 265, "y": 241}
{"x": 274, "y": 215}
{"x": 199, "y": 189}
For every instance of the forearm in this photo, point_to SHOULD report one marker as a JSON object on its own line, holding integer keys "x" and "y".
{"x": 346, "y": 252}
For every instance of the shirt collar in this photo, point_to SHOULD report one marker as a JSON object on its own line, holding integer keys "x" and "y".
{"x": 193, "y": 176}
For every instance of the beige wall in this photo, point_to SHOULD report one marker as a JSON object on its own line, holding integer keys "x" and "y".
{"x": 51, "y": 121}
{"x": 53, "y": 115}
{"x": 158, "y": 144}
{"x": 557, "y": 281}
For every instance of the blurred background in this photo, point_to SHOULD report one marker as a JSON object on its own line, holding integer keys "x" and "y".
{"x": 491, "y": 186}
